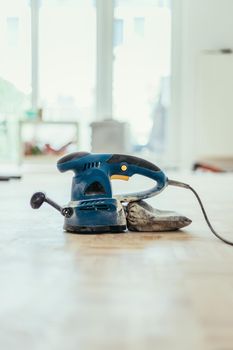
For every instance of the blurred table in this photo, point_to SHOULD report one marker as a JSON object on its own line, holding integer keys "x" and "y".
{"x": 36, "y": 124}
{"x": 125, "y": 291}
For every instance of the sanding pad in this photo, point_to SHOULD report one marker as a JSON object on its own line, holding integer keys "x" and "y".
{"x": 143, "y": 217}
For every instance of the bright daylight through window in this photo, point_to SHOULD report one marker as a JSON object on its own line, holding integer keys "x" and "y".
{"x": 141, "y": 88}
{"x": 49, "y": 69}
{"x": 15, "y": 70}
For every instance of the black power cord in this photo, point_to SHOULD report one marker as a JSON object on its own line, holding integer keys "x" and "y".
{"x": 183, "y": 185}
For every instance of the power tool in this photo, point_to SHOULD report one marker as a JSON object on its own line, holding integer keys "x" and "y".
{"x": 94, "y": 209}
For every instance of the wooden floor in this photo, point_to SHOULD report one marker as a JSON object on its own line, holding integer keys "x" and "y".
{"x": 125, "y": 291}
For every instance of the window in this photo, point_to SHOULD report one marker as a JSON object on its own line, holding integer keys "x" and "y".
{"x": 118, "y": 32}
{"x": 67, "y": 58}
{"x": 15, "y": 70}
{"x": 64, "y": 60}
{"x": 139, "y": 24}
{"x": 15, "y": 62}
{"x": 12, "y": 31}
{"x": 141, "y": 70}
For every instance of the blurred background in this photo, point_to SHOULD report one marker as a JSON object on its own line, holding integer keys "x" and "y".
{"x": 148, "y": 77}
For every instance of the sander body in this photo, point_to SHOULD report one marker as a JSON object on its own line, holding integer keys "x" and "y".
{"x": 94, "y": 209}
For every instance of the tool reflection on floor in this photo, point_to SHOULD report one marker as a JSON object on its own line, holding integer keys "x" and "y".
{"x": 93, "y": 208}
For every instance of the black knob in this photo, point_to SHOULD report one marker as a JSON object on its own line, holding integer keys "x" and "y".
{"x": 37, "y": 200}
{"x": 67, "y": 212}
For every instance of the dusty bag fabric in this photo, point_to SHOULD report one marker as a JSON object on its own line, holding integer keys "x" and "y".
{"x": 143, "y": 217}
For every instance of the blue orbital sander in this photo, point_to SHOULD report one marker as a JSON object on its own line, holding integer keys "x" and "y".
{"x": 94, "y": 209}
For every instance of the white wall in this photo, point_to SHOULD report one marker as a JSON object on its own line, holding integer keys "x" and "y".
{"x": 197, "y": 25}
